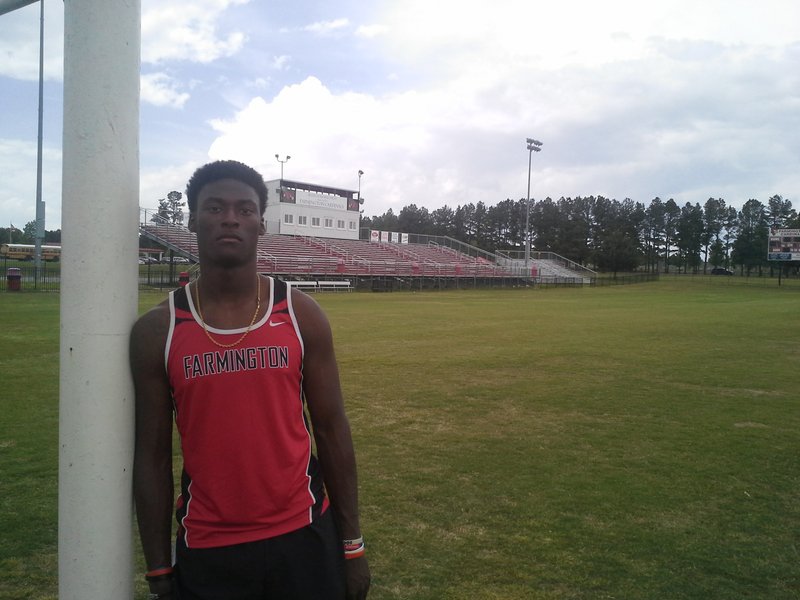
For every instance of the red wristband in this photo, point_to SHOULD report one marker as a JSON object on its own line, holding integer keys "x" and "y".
{"x": 158, "y": 573}
{"x": 354, "y": 548}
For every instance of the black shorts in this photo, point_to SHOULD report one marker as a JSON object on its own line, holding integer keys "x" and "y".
{"x": 306, "y": 564}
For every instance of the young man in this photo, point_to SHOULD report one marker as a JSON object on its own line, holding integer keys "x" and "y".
{"x": 241, "y": 361}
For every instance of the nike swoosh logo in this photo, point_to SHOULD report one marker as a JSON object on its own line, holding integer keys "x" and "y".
{"x": 273, "y": 324}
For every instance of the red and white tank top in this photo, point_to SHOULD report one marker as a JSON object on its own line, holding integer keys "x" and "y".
{"x": 248, "y": 470}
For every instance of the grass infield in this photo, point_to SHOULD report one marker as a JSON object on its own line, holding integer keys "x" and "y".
{"x": 621, "y": 442}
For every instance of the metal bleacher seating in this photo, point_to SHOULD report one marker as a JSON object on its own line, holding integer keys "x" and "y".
{"x": 303, "y": 257}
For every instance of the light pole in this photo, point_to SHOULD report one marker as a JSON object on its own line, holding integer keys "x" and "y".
{"x": 533, "y": 146}
{"x": 39, "y": 238}
{"x": 360, "y": 173}
{"x": 283, "y": 162}
{"x": 7, "y": 6}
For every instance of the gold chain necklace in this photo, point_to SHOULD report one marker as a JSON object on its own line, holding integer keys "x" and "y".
{"x": 249, "y": 327}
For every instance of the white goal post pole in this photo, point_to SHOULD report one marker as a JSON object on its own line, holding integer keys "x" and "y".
{"x": 99, "y": 297}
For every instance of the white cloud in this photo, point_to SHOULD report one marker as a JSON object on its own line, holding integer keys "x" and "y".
{"x": 157, "y": 182}
{"x": 19, "y": 42}
{"x": 187, "y": 31}
{"x": 326, "y": 27}
{"x": 372, "y": 31}
{"x": 259, "y": 83}
{"x": 507, "y": 36}
{"x": 281, "y": 63}
{"x": 18, "y": 193}
{"x": 680, "y": 99}
{"x": 162, "y": 90}
{"x": 171, "y": 30}
{"x": 413, "y": 145}
{"x": 648, "y": 116}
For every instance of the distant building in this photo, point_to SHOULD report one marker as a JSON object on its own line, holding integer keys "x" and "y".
{"x": 295, "y": 208}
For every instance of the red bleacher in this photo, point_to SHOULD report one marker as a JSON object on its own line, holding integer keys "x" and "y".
{"x": 294, "y": 255}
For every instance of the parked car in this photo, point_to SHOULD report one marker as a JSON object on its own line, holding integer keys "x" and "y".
{"x": 148, "y": 260}
{"x": 177, "y": 260}
{"x": 721, "y": 271}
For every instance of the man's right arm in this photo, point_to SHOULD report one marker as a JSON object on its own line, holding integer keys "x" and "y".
{"x": 152, "y": 462}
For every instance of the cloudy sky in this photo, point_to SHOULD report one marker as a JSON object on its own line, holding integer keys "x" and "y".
{"x": 683, "y": 99}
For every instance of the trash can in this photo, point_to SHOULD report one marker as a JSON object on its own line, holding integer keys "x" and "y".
{"x": 14, "y": 279}
{"x": 183, "y": 278}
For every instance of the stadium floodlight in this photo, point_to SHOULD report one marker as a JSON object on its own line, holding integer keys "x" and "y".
{"x": 533, "y": 146}
{"x": 283, "y": 162}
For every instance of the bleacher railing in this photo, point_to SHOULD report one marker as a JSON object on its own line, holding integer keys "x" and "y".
{"x": 344, "y": 257}
{"x": 545, "y": 266}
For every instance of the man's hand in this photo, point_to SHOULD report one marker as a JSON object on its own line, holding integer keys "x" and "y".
{"x": 358, "y": 578}
{"x": 163, "y": 588}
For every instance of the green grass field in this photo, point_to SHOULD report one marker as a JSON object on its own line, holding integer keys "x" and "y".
{"x": 621, "y": 442}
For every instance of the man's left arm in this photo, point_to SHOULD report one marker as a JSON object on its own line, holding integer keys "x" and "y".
{"x": 331, "y": 431}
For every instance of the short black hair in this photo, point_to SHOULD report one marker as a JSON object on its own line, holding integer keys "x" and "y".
{"x": 225, "y": 169}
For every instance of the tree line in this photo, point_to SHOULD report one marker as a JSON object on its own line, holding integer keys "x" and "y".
{"x": 611, "y": 235}
{"x": 27, "y": 235}
{"x": 594, "y": 231}
{"x": 170, "y": 210}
